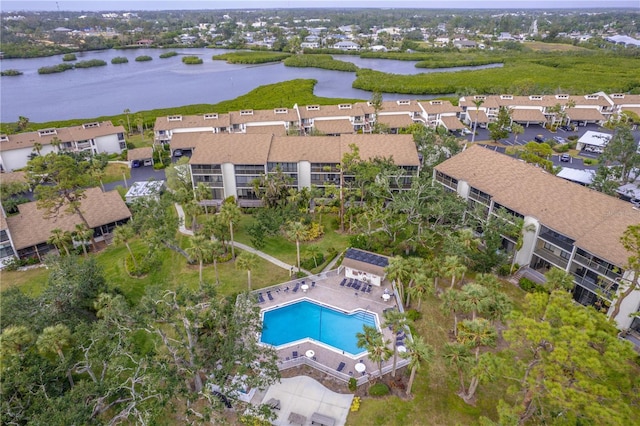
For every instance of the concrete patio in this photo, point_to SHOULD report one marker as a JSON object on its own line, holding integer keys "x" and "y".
{"x": 327, "y": 291}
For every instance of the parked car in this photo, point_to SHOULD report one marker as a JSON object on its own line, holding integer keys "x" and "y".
{"x": 177, "y": 153}
{"x": 559, "y": 139}
{"x": 565, "y": 158}
{"x": 636, "y": 202}
{"x": 465, "y": 131}
{"x": 135, "y": 164}
{"x": 566, "y": 128}
{"x": 539, "y": 138}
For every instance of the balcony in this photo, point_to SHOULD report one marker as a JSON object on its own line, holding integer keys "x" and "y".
{"x": 551, "y": 238}
{"x": 591, "y": 284}
{"x": 595, "y": 266}
{"x": 551, "y": 257}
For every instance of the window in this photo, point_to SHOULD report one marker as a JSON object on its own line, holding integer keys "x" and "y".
{"x": 174, "y": 118}
{"x": 281, "y": 110}
{"x": 249, "y": 169}
{"x": 206, "y": 169}
{"x": 90, "y": 125}
{"x": 344, "y": 106}
{"x": 246, "y": 112}
{"x": 313, "y": 107}
{"x": 120, "y": 136}
{"x": 210, "y": 116}
{"x": 404, "y": 102}
{"x": 123, "y": 145}
{"x": 4, "y": 138}
{"x": 46, "y": 132}
{"x": 446, "y": 180}
{"x": 284, "y": 167}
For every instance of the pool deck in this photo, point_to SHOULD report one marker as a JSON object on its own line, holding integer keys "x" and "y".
{"x": 327, "y": 291}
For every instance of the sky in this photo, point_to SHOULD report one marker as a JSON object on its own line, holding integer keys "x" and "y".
{"x": 97, "y": 5}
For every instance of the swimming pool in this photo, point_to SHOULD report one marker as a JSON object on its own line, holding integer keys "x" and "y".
{"x": 307, "y": 320}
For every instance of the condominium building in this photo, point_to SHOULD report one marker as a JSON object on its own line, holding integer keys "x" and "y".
{"x": 229, "y": 163}
{"x": 567, "y": 225}
{"x": 95, "y": 138}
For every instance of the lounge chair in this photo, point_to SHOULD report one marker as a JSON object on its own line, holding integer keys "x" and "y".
{"x": 369, "y": 288}
{"x": 313, "y": 283}
{"x": 341, "y": 366}
{"x": 296, "y": 287}
{"x": 260, "y": 298}
{"x": 286, "y": 289}
{"x": 269, "y": 295}
{"x": 349, "y": 283}
{"x": 344, "y": 281}
{"x": 356, "y": 285}
{"x": 295, "y": 354}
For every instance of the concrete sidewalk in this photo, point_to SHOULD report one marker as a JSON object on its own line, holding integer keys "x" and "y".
{"x": 265, "y": 256}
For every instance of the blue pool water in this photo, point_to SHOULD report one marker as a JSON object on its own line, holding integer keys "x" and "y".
{"x": 306, "y": 319}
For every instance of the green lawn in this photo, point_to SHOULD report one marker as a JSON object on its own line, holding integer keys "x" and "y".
{"x": 285, "y": 250}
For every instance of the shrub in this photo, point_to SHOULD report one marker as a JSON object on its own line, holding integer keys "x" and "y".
{"x": 69, "y": 57}
{"x": 504, "y": 270}
{"x": 143, "y": 58}
{"x": 353, "y": 384}
{"x": 315, "y": 231}
{"x": 91, "y": 63}
{"x": 168, "y": 54}
{"x": 379, "y": 389}
{"x": 310, "y": 263}
{"x": 413, "y": 315}
{"x": 587, "y": 161}
{"x": 55, "y": 68}
{"x": 251, "y": 57}
{"x": 319, "y": 61}
{"x": 355, "y": 404}
{"x": 561, "y": 148}
{"x": 10, "y": 73}
{"x": 119, "y": 60}
{"x": 191, "y": 60}
{"x": 530, "y": 286}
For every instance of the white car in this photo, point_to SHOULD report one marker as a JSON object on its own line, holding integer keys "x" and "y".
{"x": 559, "y": 139}
{"x": 465, "y": 131}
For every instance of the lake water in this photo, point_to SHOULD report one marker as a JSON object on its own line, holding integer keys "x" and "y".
{"x": 161, "y": 83}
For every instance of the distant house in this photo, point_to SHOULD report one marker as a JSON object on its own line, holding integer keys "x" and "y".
{"x": 140, "y": 157}
{"x": 464, "y": 44}
{"x": 346, "y": 45}
{"x": 144, "y": 42}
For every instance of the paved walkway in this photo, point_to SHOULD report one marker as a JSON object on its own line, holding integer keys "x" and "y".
{"x": 183, "y": 229}
{"x": 304, "y": 396}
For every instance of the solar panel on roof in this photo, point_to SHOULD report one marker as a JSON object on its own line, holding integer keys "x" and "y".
{"x": 370, "y": 258}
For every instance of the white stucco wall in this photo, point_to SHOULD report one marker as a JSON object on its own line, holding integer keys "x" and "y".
{"x": 629, "y": 305}
{"x": 18, "y": 158}
{"x": 523, "y": 256}
{"x": 304, "y": 174}
{"x": 229, "y": 180}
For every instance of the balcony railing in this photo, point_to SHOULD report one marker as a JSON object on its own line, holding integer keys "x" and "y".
{"x": 591, "y": 264}
{"x": 550, "y": 238}
{"x": 551, "y": 257}
{"x": 591, "y": 284}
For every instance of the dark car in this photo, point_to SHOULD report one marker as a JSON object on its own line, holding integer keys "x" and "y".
{"x": 135, "y": 164}
{"x": 539, "y": 138}
{"x": 567, "y": 128}
{"x": 565, "y": 158}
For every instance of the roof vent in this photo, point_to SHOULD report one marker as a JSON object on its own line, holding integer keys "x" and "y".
{"x": 344, "y": 106}
{"x": 562, "y": 96}
{"x": 506, "y": 96}
{"x": 313, "y": 107}
{"x": 174, "y": 118}
{"x": 212, "y": 116}
{"x": 403, "y": 102}
{"x": 246, "y": 112}
{"x": 4, "y": 138}
{"x": 618, "y": 96}
{"x": 281, "y": 110}
{"x": 90, "y": 125}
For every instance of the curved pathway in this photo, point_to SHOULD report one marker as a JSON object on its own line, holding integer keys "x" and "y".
{"x": 241, "y": 246}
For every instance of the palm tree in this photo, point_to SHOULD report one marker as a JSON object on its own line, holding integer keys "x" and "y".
{"x": 37, "y": 148}
{"x": 314, "y": 251}
{"x": 192, "y": 208}
{"x": 397, "y": 322}
{"x": 399, "y": 271}
{"x": 247, "y": 261}
{"x": 203, "y": 192}
{"x": 14, "y": 339}
{"x": 418, "y": 352}
{"x": 128, "y": 111}
{"x": 475, "y": 334}
{"x": 475, "y": 298}
{"x": 477, "y": 103}
{"x": 373, "y": 341}
{"x": 54, "y": 340}
{"x": 201, "y": 250}
{"x": 217, "y": 249}
{"x": 451, "y": 304}
{"x": 230, "y": 214}
{"x": 453, "y": 268}
{"x": 516, "y": 129}
{"x": 123, "y": 235}
{"x": 423, "y": 285}
{"x": 458, "y": 355}
{"x": 61, "y": 239}
{"x": 82, "y": 234}
{"x": 297, "y": 231}
{"x": 558, "y": 279}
